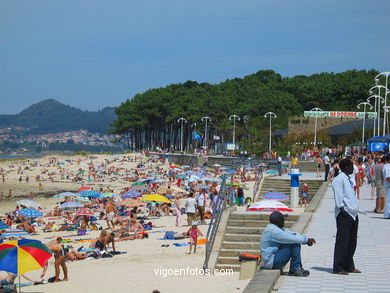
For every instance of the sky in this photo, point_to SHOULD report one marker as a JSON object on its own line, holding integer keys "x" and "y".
{"x": 93, "y": 53}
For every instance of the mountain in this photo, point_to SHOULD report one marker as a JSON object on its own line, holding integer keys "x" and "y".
{"x": 50, "y": 116}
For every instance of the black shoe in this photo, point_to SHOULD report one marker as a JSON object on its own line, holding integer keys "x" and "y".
{"x": 299, "y": 273}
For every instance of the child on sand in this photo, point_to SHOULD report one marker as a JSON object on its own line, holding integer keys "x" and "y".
{"x": 194, "y": 232}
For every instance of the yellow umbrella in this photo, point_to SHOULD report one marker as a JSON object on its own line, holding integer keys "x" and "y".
{"x": 156, "y": 197}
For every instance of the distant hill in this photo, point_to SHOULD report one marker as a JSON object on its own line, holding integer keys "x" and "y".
{"x": 50, "y": 116}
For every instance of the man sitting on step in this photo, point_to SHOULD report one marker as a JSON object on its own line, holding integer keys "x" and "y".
{"x": 278, "y": 246}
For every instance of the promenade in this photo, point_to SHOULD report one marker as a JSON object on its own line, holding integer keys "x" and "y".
{"x": 372, "y": 255}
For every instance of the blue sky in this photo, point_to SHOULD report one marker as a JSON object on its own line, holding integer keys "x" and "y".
{"x": 94, "y": 53}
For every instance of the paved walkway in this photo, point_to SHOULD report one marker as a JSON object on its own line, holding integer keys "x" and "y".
{"x": 372, "y": 255}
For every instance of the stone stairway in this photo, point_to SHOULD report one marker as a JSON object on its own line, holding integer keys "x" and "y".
{"x": 308, "y": 166}
{"x": 283, "y": 185}
{"x": 242, "y": 235}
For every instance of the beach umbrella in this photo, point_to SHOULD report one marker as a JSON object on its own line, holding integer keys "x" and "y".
{"x": 84, "y": 188}
{"x": 201, "y": 186}
{"x": 24, "y": 255}
{"x": 139, "y": 184}
{"x": 131, "y": 194}
{"x": 156, "y": 197}
{"x": 71, "y": 205}
{"x": 28, "y": 203}
{"x": 182, "y": 176}
{"x": 90, "y": 193}
{"x": 131, "y": 203}
{"x": 275, "y": 195}
{"x": 217, "y": 165}
{"x": 269, "y": 205}
{"x": 3, "y": 226}
{"x": 107, "y": 194}
{"x": 174, "y": 167}
{"x": 30, "y": 213}
{"x": 115, "y": 173}
{"x": 84, "y": 212}
{"x": 65, "y": 194}
{"x": 82, "y": 199}
{"x": 158, "y": 181}
{"x": 80, "y": 173}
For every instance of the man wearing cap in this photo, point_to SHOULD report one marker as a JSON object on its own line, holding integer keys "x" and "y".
{"x": 347, "y": 220}
{"x": 278, "y": 246}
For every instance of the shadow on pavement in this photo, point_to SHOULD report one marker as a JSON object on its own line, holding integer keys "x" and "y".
{"x": 321, "y": 269}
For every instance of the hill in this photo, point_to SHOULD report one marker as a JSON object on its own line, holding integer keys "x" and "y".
{"x": 50, "y": 116}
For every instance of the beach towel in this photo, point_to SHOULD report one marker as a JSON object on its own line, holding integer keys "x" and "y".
{"x": 14, "y": 233}
{"x": 181, "y": 244}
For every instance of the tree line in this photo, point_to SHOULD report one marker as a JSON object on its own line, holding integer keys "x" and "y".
{"x": 149, "y": 119}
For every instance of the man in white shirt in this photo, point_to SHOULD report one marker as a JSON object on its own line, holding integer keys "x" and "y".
{"x": 327, "y": 165}
{"x": 346, "y": 212}
{"x": 190, "y": 208}
{"x": 386, "y": 175}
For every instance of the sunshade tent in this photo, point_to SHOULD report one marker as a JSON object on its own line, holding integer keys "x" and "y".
{"x": 156, "y": 197}
{"x": 28, "y": 203}
{"x": 71, "y": 205}
{"x": 275, "y": 195}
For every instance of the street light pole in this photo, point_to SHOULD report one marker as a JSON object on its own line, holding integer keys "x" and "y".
{"x": 364, "y": 117}
{"x": 315, "y": 126}
{"x": 386, "y": 74}
{"x": 234, "y": 117}
{"x": 270, "y": 114}
{"x": 205, "y": 130}
{"x": 182, "y": 120}
{"x": 378, "y": 101}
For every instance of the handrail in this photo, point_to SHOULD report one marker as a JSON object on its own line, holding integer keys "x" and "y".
{"x": 259, "y": 176}
{"x": 216, "y": 219}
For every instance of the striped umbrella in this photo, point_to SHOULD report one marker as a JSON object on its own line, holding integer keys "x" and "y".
{"x": 71, "y": 205}
{"x": 3, "y": 226}
{"x": 275, "y": 195}
{"x": 65, "y": 194}
{"x": 89, "y": 193}
{"x": 24, "y": 255}
{"x": 30, "y": 213}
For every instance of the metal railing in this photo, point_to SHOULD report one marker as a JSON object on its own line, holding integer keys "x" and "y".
{"x": 259, "y": 176}
{"x": 223, "y": 194}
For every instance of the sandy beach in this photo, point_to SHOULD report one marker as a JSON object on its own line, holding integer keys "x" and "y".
{"x": 145, "y": 265}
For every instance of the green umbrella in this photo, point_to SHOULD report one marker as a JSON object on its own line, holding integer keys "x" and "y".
{"x": 139, "y": 184}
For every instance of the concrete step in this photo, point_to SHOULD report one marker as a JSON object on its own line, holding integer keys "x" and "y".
{"x": 228, "y": 260}
{"x": 244, "y": 230}
{"x": 240, "y": 245}
{"x": 261, "y": 216}
{"x": 242, "y": 237}
{"x": 255, "y": 223}
{"x": 234, "y": 267}
{"x": 237, "y": 252}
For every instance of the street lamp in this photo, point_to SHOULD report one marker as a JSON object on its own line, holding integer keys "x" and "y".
{"x": 182, "y": 120}
{"x": 315, "y": 126}
{"x": 386, "y": 74}
{"x": 364, "y": 117}
{"x": 234, "y": 117}
{"x": 378, "y": 100}
{"x": 205, "y": 130}
{"x": 270, "y": 114}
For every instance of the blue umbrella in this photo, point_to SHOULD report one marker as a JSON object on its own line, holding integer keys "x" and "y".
{"x": 71, "y": 204}
{"x": 131, "y": 194}
{"x": 30, "y": 213}
{"x": 89, "y": 193}
{"x": 65, "y": 194}
{"x": 3, "y": 226}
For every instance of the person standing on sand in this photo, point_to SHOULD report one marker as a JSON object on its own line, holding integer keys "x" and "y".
{"x": 1, "y": 196}
{"x": 110, "y": 213}
{"x": 9, "y": 194}
{"x": 178, "y": 212}
{"x": 40, "y": 187}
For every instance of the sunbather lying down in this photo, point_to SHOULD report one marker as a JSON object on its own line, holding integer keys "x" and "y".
{"x": 127, "y": 236}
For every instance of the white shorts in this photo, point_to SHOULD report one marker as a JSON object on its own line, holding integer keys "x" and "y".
{"x": 110, "y": 216}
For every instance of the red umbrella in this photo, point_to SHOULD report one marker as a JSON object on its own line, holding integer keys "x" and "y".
{"x": 84, "y": 212}
{"x": 84, "y": 188}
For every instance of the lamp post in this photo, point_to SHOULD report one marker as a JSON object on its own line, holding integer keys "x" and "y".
{"x": 378, "y": 101}
{"x": 386, "y": 74}
{"x": 270, "y": 114}
{"x": 193, "y": 125}
{"x": 364, "y": 117}
{"x": 182, "y": 120}
{"x": 315, "y": 126}
{"x": 234, "y": 117}
{"x": 205, "y": 119}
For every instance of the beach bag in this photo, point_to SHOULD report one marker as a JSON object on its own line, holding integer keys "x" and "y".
{"x": 169, "y": 235}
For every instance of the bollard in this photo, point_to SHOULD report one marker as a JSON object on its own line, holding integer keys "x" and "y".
{"x": 294, "y": 194}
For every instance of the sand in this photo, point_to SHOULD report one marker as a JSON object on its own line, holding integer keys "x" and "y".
{"x": 143, "y": 266}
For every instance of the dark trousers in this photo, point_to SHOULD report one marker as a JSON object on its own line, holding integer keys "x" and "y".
{"x": 345, "y": 246}
{"x": 326, "y": 171}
